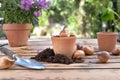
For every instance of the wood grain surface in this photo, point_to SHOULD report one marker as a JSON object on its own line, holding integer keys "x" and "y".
{"x": 90, "y": 69}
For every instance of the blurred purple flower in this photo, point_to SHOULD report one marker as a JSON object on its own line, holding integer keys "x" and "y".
{"x": 22, "y": 7}
{"x": 44, "y": 4}
{"x": 25, "y": 4}
{"x": 35, "y": 2}
{"x": 29, "y": 2}
{"x": 22, "y": 2}
{"x": 35, "y": 6}
{"x": 37, "y": 14}
{"x": 48, "y": 4}
{"x": 27, "y": 8}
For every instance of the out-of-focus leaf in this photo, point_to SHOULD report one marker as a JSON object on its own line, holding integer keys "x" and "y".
{"x": 110, "y": 4}
{"x": 90, "y": 1}
{"x": 107, "y": 15}
{"x": 104, "y": 11}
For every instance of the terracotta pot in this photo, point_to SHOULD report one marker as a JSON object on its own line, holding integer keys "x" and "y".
{"x": 64, "y": 45}
{"x": 17, "y": 34}
{"x": 107, "y": 40}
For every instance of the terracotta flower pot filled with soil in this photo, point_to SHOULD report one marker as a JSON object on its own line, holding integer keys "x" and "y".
{"x": 64, "y": 43}
{"x": 17, "y": 34}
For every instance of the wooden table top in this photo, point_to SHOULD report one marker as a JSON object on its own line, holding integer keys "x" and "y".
{"x": 90, "y": 69}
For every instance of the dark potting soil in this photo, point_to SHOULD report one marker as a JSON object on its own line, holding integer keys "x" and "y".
{"x": 44, "y": 55}
{"x": 59, "y": 58}
{"x": 49, "y": 56}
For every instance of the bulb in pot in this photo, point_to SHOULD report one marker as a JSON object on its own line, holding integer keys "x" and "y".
{"x": 89, "y": 50}
{"x": 103, "y": 56}
{"x": 79, "y": 54}
{"x": 6, "y": 62}
{"x": 116, "y": 51}
{"x": 64, "y": 33}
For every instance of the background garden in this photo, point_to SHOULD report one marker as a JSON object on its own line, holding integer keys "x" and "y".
{"x": 82, "y": 17}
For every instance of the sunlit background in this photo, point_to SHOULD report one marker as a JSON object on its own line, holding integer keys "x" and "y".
{"x": 81, "y": 17}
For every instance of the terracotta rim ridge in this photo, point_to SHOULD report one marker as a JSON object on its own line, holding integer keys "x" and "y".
{"x": 107, "y": 33}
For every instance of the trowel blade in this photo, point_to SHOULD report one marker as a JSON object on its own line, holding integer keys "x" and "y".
{"x": 28, "y": 63}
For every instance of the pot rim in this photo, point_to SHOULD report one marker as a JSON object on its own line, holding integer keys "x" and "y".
{"x": 107, "y": 33}
{"x": 16, "y": 23}
{"x": 16, "y": 26}
{"x": 55, "y": 37}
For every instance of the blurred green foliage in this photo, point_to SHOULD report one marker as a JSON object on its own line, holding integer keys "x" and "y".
{"x": 102, "y": 15}
{"x": 83, "y": 17}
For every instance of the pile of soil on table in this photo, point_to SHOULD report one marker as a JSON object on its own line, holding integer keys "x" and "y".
{"x": 48, "y": 55}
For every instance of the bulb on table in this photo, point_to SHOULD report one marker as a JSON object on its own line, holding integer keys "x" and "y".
{"x": 103, "y": 56}
{"x": 116, "y": 51}
{"x": 89, "y": 50}
{"x": 79, "y": 54}
{"x": 6, "y": 62}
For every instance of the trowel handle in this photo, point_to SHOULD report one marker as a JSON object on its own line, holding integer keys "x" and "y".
{"x": 1, "y": 45}
{"x": 7, "y": 51}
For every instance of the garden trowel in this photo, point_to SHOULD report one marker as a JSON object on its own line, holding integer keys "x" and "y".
{"x": 28, "y": 63}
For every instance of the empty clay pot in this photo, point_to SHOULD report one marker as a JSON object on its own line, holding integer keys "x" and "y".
{"x": 107, "y": 40}
{"x": 64, "y": 45}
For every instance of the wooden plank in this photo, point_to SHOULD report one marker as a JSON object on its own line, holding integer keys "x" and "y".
{"x": 90, "y": 69}
{"x": 87, "y": 64}
{"x": 33, "y": 53}
{"x": 81, "y": 74}
{"x": 49, "y": 66}
{"x": 30, "y": 51}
